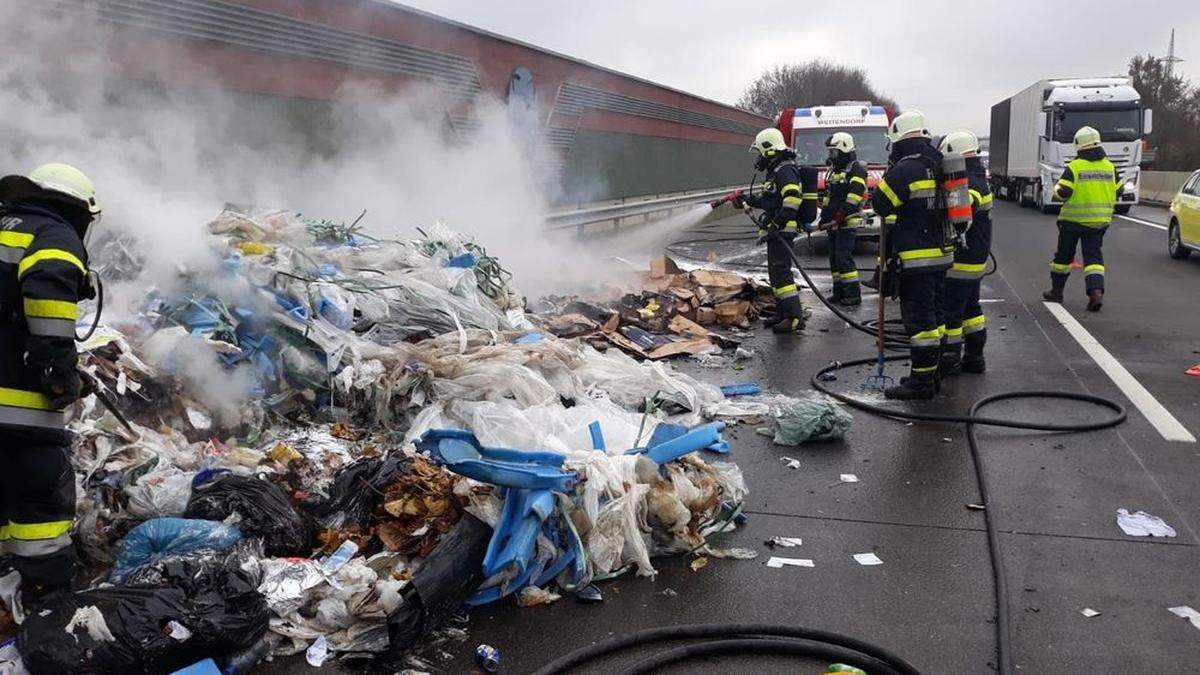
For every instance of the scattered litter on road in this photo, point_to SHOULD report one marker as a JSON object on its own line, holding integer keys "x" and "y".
{"x": 1185, "y": 612}
{"x": 487, "y": 657}
{"x": 836, "y": 668}
{"x": 867, "y": 559}
{"x": 783, "y": 542}
{"x": 848, "y": 478}
{"x": 1089, "y": 612}
{"x": 317, "y": 652}
{"x": 698, "y": 564}
{"x": 810, "y": 419}
{"x": 945, "y": 439}
{"x": 531, "y": 596}
{"x": 1142, "y": 524}
{"x": 1194, "y": 371}
{"x": 668, "y": 593}
{"x": 776, "y": 561}
{"x": 589, "y": 594}
{"x": 977, "y": 507}
{"x": 790, "y": 462}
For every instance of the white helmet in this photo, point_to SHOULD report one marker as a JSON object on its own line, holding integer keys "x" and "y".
{"x": 60, "y": 180}
{"x": 959, "y": 143}
{"x": 905, "y": 124}
{"x": 841, "y": 141}
{"x": 768, "y": 142}
{"x": 1086, "y": 137}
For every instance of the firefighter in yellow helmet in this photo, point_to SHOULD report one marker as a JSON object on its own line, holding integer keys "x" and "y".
{"x": 788, "y": 202}
{"x": 845, "y": 187}
{"x": 916, "y": 245}
{"x": 1089, "y": 188}
{"x": 44, "y": 217}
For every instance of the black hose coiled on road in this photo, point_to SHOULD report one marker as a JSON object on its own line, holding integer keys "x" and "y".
{"x": 726, "y": 638}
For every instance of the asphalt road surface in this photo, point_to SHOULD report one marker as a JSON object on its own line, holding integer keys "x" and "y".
{"x": 1055, "y": 497}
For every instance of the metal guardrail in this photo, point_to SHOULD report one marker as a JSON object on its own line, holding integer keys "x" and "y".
{"x": 644, "y": 209}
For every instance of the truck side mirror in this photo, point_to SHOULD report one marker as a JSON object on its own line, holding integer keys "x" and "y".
{"x": 1147, "y": 121}
{"x": 1043, "y": 125}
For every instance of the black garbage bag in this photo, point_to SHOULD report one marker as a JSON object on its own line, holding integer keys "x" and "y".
{"x": 197, "y": 610}
{"x": 357, "y": 489}
{"x": 264, "y": 511}
{"x": 450, "y": 575}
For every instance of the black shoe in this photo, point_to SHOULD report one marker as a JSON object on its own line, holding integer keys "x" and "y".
{"x": 950, "y": 365}
{"x": 911, "y": 389}
{"x": 1095, "y": 300}
{"x": 1053, "y": 295}
{"x": 769, "y": 321}
{"x": 937, "y": 382}
{"x": 851, "y": 301}
{"x": 974, "y": 364}
{"x": 835, "y": 294}
{"x": 788, "y": 325}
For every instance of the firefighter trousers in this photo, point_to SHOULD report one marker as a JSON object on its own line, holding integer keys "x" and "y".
{"x": 779, "y": 269}
{"x": 920, "y": 310}
{"x": 37, "y": 496}
{"x": 841, "y": 263}
{"x": 964, "y": 316}
{"x": 1091, "y": 241}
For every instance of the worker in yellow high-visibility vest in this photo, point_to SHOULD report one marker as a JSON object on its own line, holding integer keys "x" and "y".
{"x": 1089, "y": 188}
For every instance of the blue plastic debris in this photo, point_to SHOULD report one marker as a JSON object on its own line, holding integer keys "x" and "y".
{"x": 461, "y": 452}
{"x": 205, "y": 667}
{"x": 676, "y": 445}
{"x": 747, "y": 389}
{"x": 169, "y": 536}
{"x": 529, "y": 339}
{"x": 464, "y": 260}
{"x": 597, "y": 437}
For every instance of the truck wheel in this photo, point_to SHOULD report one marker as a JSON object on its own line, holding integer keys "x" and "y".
{"x": 1174, "y": 244}
{"x": 1123, "y": 208}
{"x": 1021, "y": 196}
{"x": 1041, "y": 201}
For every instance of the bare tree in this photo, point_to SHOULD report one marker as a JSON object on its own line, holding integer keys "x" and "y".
{"x": 1176, "y": 105}
{"x": 817, "y": 82}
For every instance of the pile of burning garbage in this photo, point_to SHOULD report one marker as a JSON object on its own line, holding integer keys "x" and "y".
{"x": 330, "y": 443}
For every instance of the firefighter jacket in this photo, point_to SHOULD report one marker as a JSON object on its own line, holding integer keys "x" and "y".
{"x": 845, "y": 187}
{"x": 909, "y": 191}
{"x": 971, "y": 260}
{"x": 43, "y": 274}
{"x": 1090, "y": 187}
{"x": 789, "y": 195}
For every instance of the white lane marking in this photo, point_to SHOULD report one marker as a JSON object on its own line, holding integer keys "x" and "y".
{"x": 1139, "y": 221}
{"x": 1155, "y": 413}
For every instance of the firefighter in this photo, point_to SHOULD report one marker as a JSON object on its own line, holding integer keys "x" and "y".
{"x": 917, "y": 244}
{"x": 43, "y": 275}
{"x": 845, "y": 187}
{"x": 788, "y": 202}
{"x": 964, "y": 316}
{"x": 1089, "y": 188}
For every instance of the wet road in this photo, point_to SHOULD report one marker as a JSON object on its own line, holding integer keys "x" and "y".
{"x": 1055, "y": 496}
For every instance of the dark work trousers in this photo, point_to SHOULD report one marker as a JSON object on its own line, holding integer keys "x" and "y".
{"x": 37, "y": 495}
{"x": 779, "y": 266}
{"x": 1091, "y": 240}
{"x": 919, "y": 310}
{"x": 964, "y": 316}
{"x": 841, "y": 262}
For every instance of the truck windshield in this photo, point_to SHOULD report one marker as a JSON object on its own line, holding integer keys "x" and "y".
{"x": 870, "y": 145}
{"x": 1113, "y": 125}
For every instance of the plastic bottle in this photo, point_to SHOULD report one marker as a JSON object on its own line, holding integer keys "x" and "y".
{"x": 244, "y": 661}
{"x": 340, "y": 557}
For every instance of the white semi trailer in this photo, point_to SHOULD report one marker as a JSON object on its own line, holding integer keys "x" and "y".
{"x": 1032, "y": 136}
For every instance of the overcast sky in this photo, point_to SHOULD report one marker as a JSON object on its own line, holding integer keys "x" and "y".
{"x": 951, "y": 59}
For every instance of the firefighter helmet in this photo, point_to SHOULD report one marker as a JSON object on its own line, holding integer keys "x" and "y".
{"x": 61, "y": 181}
{"x": 906, "y": 123}
{"x": 1086, "y": 137}
{"x": 768, "y": 142}
{"x": 841, "y": 141}
{"x": 959, "y": 143}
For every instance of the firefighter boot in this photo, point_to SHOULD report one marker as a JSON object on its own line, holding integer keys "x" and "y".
{"x": 1055, "y": 294}
{"x": 974, "y": 364}
{"x": 792, "y": 316}
{"x": 1095, "y": 300}
{"x": 913, "y": 388}
{"x": 951, "y": 362}
{"x": 836, "y": 294}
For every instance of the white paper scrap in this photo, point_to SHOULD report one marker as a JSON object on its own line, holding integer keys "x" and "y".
{"x": 790, "y": 462}
{"x": 1185, "y": 612}
{"x": 1089, "y": 612}
{"x": 848, "y": 478}
{"x": 867, "y": 559}
{"x": 785, "y": 542}
{"x": 1142, "y": 524}
{"x": 791, "y": 562}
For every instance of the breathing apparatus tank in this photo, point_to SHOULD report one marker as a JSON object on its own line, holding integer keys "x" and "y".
{"x": 955, "y": 195}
